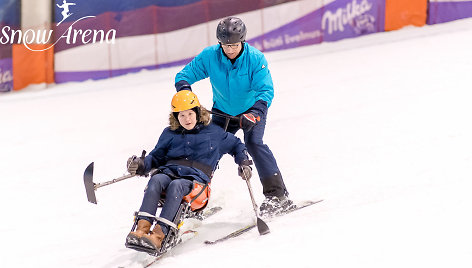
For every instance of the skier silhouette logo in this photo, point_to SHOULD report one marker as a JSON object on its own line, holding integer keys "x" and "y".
{"x": 65, "y": 10}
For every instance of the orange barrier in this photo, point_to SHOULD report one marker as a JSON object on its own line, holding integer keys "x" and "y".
{"x": 399, "y": 13}
{"x": 32, "y": 67}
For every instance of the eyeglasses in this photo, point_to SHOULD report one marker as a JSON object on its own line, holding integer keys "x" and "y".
{"x": 232, "y": 46}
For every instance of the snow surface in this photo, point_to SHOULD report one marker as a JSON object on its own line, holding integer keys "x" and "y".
{"x": 378, "y": 126}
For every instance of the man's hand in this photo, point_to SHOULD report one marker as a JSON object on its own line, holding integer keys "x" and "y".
{"x": 248, "y": 121}
{"x": 182, "y": 85}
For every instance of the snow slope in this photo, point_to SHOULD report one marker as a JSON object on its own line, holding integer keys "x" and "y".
{"x": 377, "y": 126}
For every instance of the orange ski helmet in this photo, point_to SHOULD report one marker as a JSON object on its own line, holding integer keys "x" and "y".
{"x": 184, "y": 100}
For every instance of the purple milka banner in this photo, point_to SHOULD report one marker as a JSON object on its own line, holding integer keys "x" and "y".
{"x": 6, "y": 75}
{"x": 439, "y": 12}
{"x": 335, "y": 21}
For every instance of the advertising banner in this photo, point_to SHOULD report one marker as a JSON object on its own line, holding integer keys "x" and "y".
{"x": 94, "y": 44}
{"x": 9, "y": 19}
{"x": 401, "y": 13}
{"x": 100, "y": 39}
{"x": 440, "y": 11}
{"x": 333, "y": 21}
{"x": 6, "y": 75}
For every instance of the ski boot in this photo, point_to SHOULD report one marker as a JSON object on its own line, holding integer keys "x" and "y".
{"x": 273, "y": 206}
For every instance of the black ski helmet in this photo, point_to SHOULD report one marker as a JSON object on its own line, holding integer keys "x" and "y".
{"x": 231, "y": 30}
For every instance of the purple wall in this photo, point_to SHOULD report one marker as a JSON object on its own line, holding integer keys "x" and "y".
{"x": 439, "y": 12}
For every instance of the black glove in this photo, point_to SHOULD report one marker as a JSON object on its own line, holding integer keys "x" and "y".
{"x": 248, "y": 121}
{"x": 182, "y": 85}
{"x": 135, "y": 164}
{"x": 245, "y": 170}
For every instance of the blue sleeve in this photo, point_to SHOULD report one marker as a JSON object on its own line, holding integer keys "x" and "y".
{"x": 259, "y": 108}
{"x": 158, "y": 156}
{"x": 262, "y": 80}
{"x": 194, "y": 71}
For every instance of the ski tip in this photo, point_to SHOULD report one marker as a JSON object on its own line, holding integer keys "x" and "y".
{"x": 89, "y": 185}
{"x": 216, "y": 208}
{"x": 89, "y": 168}
{"x": 262, "y": 227}
{"x": 264, "y": 232}
{"x": 309, "y": 203}
{"x": 208, "y": 242}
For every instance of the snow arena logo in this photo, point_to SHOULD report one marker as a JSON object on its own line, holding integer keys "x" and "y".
{"x": 352, "y": 14}
{"x": 70, "y": 35}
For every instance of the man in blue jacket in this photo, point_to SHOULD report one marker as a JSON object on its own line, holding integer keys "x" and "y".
{"x": 242, "y": 93}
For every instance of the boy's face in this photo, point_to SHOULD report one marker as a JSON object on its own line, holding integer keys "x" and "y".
{"x": 187, "y": 119}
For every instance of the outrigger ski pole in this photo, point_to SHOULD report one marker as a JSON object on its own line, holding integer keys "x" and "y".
{"x": 261, "y": 225}
{"x": 91, "y": 187}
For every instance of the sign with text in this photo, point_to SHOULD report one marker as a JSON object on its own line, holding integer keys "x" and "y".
{"x": 334, "y": 21}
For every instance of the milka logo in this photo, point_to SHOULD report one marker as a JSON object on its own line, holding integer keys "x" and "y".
{"x": 71, "y": 35}
{"x": 6, "y": 80}
{"x": 5, "y": 76}
{"x": 343, "y": 16}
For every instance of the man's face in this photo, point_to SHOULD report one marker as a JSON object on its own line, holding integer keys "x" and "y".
{"x": 232, "y": 50}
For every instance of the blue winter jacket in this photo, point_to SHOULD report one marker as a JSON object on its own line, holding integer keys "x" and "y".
{"x": 203, "y": 144}
{"x": 236, "y": 87}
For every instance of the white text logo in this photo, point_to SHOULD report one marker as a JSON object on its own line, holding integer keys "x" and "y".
{"x": 344, "y": 16}
{"x": 70, "y": 35}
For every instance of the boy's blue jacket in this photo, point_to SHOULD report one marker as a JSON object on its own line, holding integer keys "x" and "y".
{"x": 203, "y": 144}
{"x": 236, "y": 87}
